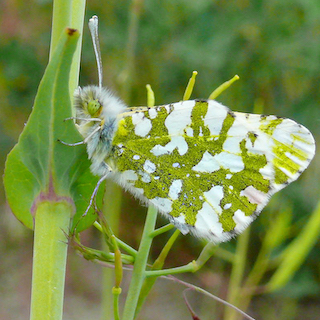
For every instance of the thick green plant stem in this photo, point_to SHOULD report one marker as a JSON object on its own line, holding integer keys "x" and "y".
{"x": 139, "y": 270}
{"x": 52, "y": 220}
{"x": 68, "y": 13}
{"x": 52, "y": 216}
{"x": 61, "y": 18}
{"x": 77, "y": 21}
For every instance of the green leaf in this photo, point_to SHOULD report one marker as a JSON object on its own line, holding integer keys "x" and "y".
{"x": 39, "y": 166}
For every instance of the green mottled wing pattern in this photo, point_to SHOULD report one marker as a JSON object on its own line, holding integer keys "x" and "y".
{"x": 210, "y": 170}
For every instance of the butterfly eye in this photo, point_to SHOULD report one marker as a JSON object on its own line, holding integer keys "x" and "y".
{"x": 94, "y": 107}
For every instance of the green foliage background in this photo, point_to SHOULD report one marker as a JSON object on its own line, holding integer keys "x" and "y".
{"x": 274, "y": 46}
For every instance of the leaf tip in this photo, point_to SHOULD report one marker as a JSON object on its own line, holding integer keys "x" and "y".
{"x": 71, "y": 31}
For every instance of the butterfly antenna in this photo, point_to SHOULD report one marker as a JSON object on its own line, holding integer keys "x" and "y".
{"x": 93, "y": 26}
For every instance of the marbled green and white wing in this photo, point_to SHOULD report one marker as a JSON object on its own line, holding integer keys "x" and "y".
{"x": 210, "y": 170}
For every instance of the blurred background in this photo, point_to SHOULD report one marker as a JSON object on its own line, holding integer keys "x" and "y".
{"x": 273, "y": 45}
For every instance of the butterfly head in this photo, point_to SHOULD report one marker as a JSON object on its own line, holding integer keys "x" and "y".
{"x": 87, "y": 102}
{"x": 94, "y": 108}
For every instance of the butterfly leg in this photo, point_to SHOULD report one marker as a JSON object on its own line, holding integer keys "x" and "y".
{"x": 107, "y": 171}
{"x": 83, "y": 119}
{"x": 94, "y": 193}
{"x": 72, "y": 144}
{"x": 81, "y": 142}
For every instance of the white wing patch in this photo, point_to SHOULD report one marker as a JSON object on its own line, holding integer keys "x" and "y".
{"x": 142, "y": 124}
{"x": 175, "y": 189}
{"x": 214, "y": 117}
{"x": 208, "y": 225}
{"x": 176, "y": 142}
{"x": 229, "y": 161}
{"x": 163, "y": 204}
{"x": 255, "y": 196}
{"x": 213, "y": 198}
{"x": 179, "y": 118}
{"x": 207, "y": 164}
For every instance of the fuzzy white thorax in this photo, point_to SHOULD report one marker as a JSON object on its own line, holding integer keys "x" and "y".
{"x": 111, "y": 104}
{"x": 98, "y": 134}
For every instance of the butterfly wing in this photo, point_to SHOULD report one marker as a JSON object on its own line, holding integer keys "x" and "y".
{"x": 210, "y": 170}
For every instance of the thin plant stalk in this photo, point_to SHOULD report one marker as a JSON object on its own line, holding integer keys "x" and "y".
{"x": 157, "y": 265}
{"x": 139, "y": 270}
{"x": 237, "y": 273}
{"x": 112, "y": 210}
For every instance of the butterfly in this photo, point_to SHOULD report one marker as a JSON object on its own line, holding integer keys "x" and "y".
{"x": 208, "y": 169}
